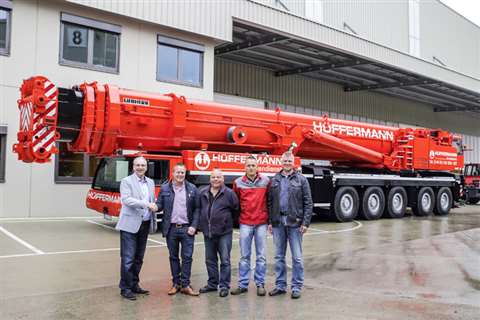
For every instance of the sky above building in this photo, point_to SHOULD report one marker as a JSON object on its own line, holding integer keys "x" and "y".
{"x": 470, "y": 9}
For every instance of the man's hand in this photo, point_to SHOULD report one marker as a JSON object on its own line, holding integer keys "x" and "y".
{"x": 153, "y": 207}
{"x": 270, "y": 229}
{"x": 303, "y": 229}
{"x": 191, "y": 231}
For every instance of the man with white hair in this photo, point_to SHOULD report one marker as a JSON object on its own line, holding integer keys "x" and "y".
{"x": 218, "y": 206}
{"x": 137, "y": 219}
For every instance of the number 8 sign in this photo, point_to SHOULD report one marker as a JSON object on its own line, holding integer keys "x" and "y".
{"x": 76, "y": 37}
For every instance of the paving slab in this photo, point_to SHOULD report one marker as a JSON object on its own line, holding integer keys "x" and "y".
{"x": 411, "y": 268}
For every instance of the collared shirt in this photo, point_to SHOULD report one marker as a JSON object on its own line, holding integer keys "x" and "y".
{"x": 179, "y": 211}
{"x": 284, "y": 191}
{"x": 144, "y": 189}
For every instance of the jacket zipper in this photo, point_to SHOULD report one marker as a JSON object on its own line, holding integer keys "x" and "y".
{"x": 210, "y": 215}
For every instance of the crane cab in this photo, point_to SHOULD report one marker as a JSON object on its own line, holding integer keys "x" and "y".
{"x": 104, "y": 195}
{"x": 471, "y": 175}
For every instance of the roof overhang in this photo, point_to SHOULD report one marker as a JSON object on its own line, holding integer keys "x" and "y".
{"x": 288, "y": 55}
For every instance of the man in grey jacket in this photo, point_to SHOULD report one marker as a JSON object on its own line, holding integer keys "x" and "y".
{"x": 137, "y": 219}
{"x": 289, "y": 213}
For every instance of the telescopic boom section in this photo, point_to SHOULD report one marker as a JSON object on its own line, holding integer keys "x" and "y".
{"x": 38, "y": 120}
{"x": 103, "y": 119}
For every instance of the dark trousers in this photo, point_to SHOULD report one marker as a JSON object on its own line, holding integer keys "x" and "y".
{"x": 132, "y": 250}
{"x": 180, "y": 271}
{"x": 214, "y": 247}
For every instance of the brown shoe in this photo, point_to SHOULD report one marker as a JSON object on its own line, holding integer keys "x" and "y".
{"x": 173, "y": 290}
{"x": 189, "y": 292}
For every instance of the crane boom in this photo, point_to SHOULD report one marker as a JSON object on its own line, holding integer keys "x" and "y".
{"x": 102, "y": 119}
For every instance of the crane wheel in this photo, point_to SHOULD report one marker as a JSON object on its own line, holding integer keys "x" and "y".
{"x": 444, "y": 202}
{"x": 425, "y": 202}
{"x": 346, "y": 204}
{"x": 373, "y": 203}
{"x": 396, "y": 203}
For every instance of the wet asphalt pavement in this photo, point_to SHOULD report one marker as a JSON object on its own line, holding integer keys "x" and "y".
{"x": 412, "y": 268}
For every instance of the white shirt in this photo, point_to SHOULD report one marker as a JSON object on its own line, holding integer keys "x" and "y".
{"x": 145, "y": 197}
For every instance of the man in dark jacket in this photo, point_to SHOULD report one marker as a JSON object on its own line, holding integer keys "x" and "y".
{"x": 180, "y": 204}
{"x": 290, "y": 210}
{"x": 218, "y": 206}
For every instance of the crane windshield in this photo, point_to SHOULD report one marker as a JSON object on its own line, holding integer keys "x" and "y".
{"x": 111, "y": 171}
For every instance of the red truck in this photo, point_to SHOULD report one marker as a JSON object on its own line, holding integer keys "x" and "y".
{"x": 374, "y": 170}
{"x": 471, "y": 184}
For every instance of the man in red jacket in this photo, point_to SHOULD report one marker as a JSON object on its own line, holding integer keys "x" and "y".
{"x": 251, "y": 190}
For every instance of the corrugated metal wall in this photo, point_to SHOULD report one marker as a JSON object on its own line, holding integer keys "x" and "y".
{"x": 472, "y": 155}
{"x": 253, "y": 82}
{"x": 214, "y": 19}
{"x": 208, "y": 18}
{"x": 449, "y": 37}
{"x": 443, "y": 33}
{"x": 293, "y": 6}
{"x": 384, "y": 22}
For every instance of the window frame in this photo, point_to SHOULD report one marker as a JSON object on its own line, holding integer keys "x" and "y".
{"x": 84, "y": 179}
{"x": 91, "y": 25}
{"x": 3, "y": 150}
{"x": 7, "y": 6}
{"x": 186, "y": 46}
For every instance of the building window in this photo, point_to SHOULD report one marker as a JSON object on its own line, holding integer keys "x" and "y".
{"x": 5, "y": 26}
{"x": 88, "y": 43}
{"x": 3, "y": 143}
{"x": 179, "y": 61}
{"x": 74, "y": 167}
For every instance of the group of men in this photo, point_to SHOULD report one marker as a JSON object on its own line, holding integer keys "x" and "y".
{"x": 281, "y": 206}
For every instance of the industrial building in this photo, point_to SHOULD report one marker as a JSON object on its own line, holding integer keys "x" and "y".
{"x": 398, "y": 63}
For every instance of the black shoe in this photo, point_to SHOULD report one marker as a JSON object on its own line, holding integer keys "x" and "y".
{"x": 296, "y": 294}
{"x": 207, "y": 289}
{"x": 261, "y": 291}
{"x": 141, "y": 291}
{"x": 238, "y": 291}
{"x": 276, "y": 292}
{"x": 128, "y": 295}
{"x": 223, "y": 292}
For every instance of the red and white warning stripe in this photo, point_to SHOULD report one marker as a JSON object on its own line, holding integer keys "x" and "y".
{"x": 43, "y": 136}
{"x": 50, "y": 89}
{"x": 25, "y": 116}
{"x": 51, "y": 94}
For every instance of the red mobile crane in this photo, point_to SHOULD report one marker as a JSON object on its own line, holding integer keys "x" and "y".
{"x": 375, "y": 169}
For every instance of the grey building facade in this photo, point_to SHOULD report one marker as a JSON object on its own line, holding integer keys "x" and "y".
{"x": 400, "y": 63}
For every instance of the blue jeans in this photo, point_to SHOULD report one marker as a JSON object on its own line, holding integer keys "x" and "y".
{"x": 247, "y": 233}
{"x": 214, "y": 247}
{"x": 132, "y": 250}
{"x": 282, "y": 234}
{"x": 180, "y": 272}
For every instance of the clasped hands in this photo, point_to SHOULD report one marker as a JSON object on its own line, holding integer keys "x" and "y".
{"x": 153, "y": 207}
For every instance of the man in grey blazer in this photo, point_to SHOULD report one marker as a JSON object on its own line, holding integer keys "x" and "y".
{"x": 137, "y": 219}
